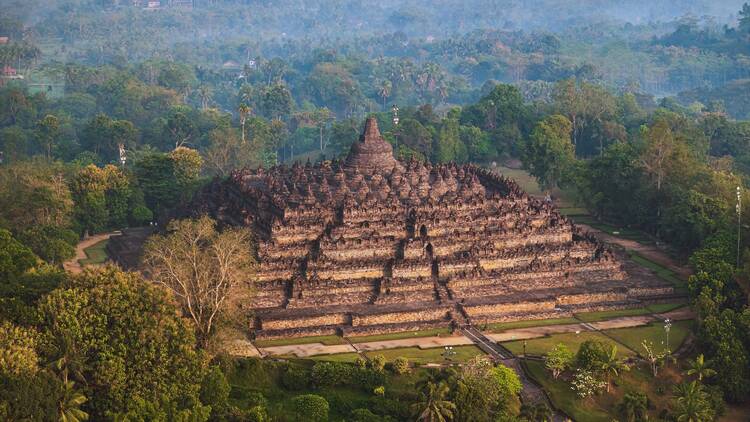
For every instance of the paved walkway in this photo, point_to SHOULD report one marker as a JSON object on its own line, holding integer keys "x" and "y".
{"x": 313, "y": 349}
{"x": 72, "y": 265}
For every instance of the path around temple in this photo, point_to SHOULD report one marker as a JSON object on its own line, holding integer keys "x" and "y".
{"x": 72, "y": 265}
{"x": 315, "y": 349}
{"x": 651, "y": 253}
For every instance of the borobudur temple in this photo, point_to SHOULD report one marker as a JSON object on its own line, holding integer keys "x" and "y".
{"x": 371, "y": 244}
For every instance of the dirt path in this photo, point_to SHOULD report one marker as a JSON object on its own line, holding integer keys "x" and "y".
{"x": 73, "y": 265}
{"x": 652, "y": 253}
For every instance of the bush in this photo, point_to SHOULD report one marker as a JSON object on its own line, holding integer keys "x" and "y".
{"x": 379, "y": 391}
{"x": 360, "y": 362}
{"x": 363, "y": 415}
{"x": 377, "y": 363}
{"x": 294, "y": 379}
{"x": 215, "y": 390}
{"x": 591, "y": 354}
{"x": 329, "y": 374}
{"x": 367, "y": 379}
{"x": 256, "y": 398}
{"x": 310, "y": 407}
{"x": 400, "y": 365}
{"x": 141, "y": 215}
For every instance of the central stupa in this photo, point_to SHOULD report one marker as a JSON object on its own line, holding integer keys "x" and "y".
{"x": 372, "y": 244}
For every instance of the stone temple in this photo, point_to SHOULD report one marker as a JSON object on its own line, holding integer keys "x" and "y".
{"x": 371, "y": 244}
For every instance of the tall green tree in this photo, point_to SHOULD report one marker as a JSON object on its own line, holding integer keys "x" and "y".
{"x": 548, "y": 154}
{"x": 433, "y": 405}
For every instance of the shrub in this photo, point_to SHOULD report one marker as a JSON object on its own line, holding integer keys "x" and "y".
{"x": 377, "y": 363}
{"x": 364, "y": 415}
{"x": 256, "y": 398}
{"x": 329, "y": 374}
{"x": 401, "y": 365}
{"x": 585, "y": 383}
{"x": 141, "y": 215}
{"x": 591, "y": 354}
{"x": 310, "y": 407}
{"x": 360, "y": 362}
{"x": 215, "y": 390}
{"x": 294, "y": 379}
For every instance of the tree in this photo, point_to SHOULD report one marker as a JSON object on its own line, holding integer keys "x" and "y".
{"x": 18, "y": 354}
{"x": 691, "y": 403}
{"x": 548, "y": 154}
{"x": 70, "y": 404}
{"x": 226, "y": 152}
{"x": 377, "y": 363}
{"x": 48, "y": 132}
{"x": 585, "y": 383}
{"x": 591, "y": 354}
{"x": 433, "y": 405}
{"x": 244, "y": 111}
{"x": 384, "y": 91}
{"x": 15, "y": 258}
{"x": 612, "y": 365}
{"x": 700, "y": 368}
{"x": 448, "y": 146}
{"x": 215, "y": 390}
{"x": 654, "y": 359}
{"x": 659, "y": 148}
{"x": 310, "y": 407}
{"x": 483, "y": 390}
{"x": 202, "y": 267}
{"x": 634, "y": 406}
{"x": 135, "y": 346}
{"x": 558, "y": 359}
{"x": 401, "y": 365}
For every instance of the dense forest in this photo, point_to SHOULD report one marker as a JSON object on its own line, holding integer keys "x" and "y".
{"x": 114, "y": 113}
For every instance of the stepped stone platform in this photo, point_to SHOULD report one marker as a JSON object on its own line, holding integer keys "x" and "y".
{"x": 372, "y": 244}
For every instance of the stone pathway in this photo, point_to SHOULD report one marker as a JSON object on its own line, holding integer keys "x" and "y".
{"x": 313, "y": 349}
{"x": 72, "y": 265}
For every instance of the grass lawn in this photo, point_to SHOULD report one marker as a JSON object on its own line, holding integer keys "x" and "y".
{"x": 605, "y": 315}
{"x": 327, "y": 340}
{"x": 665, "y": 307}
{"x": 431, "y": 355}
{"x": 602, "y": 407}
{"x": 499, "y": 327}
{"x": 95, "y": 254}
{"x": 441, "y": 332}
{"x": 540, "y": 346}
{"x": 623, "y": 232}
{"x": 337, "y": 357}
{"x": 633, "y": 337}
{"x": 529, "y": 184}
{"x": 662, "y": 272}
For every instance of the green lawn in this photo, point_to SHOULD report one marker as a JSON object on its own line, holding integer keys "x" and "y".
{"x": 633, "y": 337}
{"x": 337, "y": 357}
{"x": 95, "y": 254}
{"x": 605, "y": 315}
{"x": 665, "y": 307}
{"x": 441, "y": 332}
{"x": 327, "y": 340}
{"x": 662, "y": 272}
{"x": 563, "y": 397}
{"x": 540, "y": 346}
{"x": 603, "y": 407}
{"x": 623, "y": 232}
{"x": 529, "y": 184}
{"x": 504, "y": 326}
{"x": 431, "y": 355}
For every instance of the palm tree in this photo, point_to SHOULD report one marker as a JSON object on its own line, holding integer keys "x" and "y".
{"x": 634, "y": 406}
{"x": 700, "y": 368}
{"x": 385, "y": 90}
{"x": 692, "y": 403}
{"x": 538, "y": 412}
{"x": 69, "y": 406}
{"x": 612, "y": 365}
{"x": 205, "y": 95}
{"x": 433, "y": 406}
{"x": 244, "y": 111}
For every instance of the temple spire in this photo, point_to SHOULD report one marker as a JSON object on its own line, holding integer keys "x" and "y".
{"x": 371, "y": 153}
